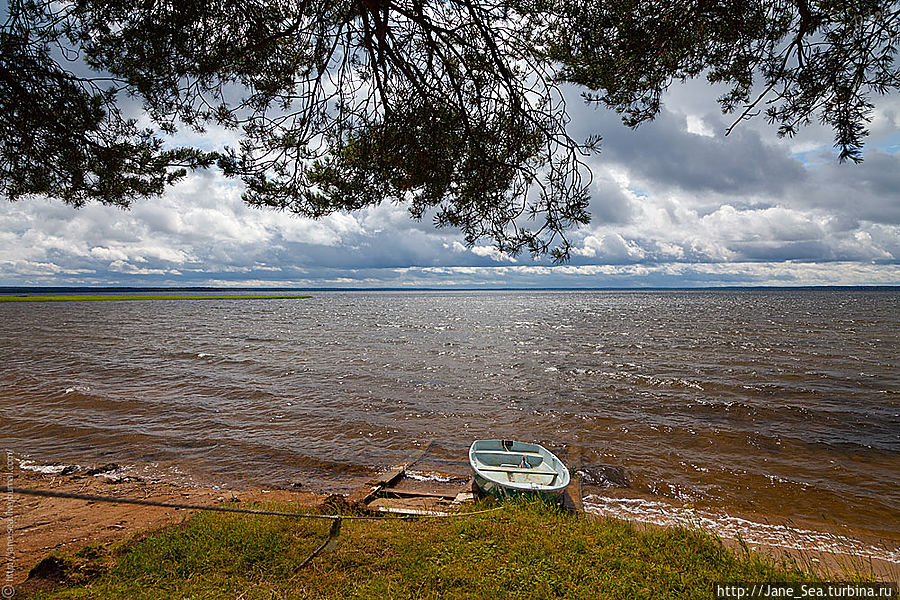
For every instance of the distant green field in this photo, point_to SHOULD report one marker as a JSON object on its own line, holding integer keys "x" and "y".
{"x": 108, "y": 297}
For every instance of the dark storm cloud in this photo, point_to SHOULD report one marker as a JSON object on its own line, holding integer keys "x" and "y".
{"x": 781, "y": 251}
{"x": 869, "y": 191}
{"x": 664, "y": 154}
{"x": 609, "y": 204}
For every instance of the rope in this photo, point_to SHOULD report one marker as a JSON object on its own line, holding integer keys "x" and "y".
{"x": 91, "y": 498}
{"x": 329, "y": 543}
{"x": 115, "y": 500}
{"x": 440, "y": 516}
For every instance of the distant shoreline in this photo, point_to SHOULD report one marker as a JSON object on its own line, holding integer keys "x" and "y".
{"x": 12, "y": 289}
{"x": 132, "y": 297}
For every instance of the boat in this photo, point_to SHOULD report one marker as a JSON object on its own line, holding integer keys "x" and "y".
{"x": 506, "y": 468}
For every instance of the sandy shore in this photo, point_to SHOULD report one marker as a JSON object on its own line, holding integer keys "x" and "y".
{"x": 37, "y": 526}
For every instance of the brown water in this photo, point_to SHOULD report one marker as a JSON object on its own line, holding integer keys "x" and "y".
{"x": 765, "y": 402}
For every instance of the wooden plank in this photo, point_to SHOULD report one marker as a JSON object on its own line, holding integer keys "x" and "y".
{"x": 410, "y": 505}
{"x": 413, "y": 512}
{"x": 416, "y": 494}
{"x": 418, "y": 455}
{"x": 573, "y": 490}
{"x": 368, "y": 491}
{"x": 462, "y": 497}
{"x": 371, "y": 488}
{"x": 412, "y": 486}
{"x": 510, "y": 453}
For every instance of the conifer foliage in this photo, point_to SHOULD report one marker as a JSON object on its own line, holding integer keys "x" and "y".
{"x": 453, "y": 108}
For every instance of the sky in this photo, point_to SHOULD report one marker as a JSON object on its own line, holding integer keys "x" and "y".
{"x": 675, "y": 203}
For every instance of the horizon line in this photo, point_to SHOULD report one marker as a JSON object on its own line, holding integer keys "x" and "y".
{"x": 57, "y": 288}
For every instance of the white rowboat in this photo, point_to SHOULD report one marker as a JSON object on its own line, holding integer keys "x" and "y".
{"x": 506, "y": 467}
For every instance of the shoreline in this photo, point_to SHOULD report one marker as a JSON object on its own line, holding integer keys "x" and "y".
{"x": 42, "y": 526}
{"x": 817, "y": 546}
{"x": 100, "y": 297}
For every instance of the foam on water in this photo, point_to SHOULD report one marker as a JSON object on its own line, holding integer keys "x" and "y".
{"x": 29, "y": 465}
{"x": 728, "y": 526}
{"x": 84, "y": 389}
{"x": 427, "y": 476}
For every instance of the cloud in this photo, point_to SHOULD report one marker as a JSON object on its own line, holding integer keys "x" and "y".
{"x": 667, "y": 155}
{"x": 611, "y": 248}
{"x": 869, "y": 191}
{"x": 698, "y": 126}
{"x": 674, "y": 203}
{"x": 611, "y": 203}
{"x": 492, "y": 253}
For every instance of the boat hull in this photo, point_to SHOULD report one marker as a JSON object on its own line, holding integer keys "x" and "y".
{"x": 492, "y": 488}
{"x": 505, "y": 468}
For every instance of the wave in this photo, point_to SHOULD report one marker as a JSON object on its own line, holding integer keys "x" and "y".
{"x": 728, "y": 526}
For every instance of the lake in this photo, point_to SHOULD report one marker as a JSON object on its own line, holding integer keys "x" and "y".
{"x": 776, "y": 408}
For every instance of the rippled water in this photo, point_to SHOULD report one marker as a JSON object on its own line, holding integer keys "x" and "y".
{"x": 771, "y": 402}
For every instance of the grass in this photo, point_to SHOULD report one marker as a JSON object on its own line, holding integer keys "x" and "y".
{"x": 108, "y": 297}
{"x": 525, "y": 551}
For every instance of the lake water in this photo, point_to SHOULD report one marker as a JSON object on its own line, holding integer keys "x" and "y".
{"x": 778, "y": 408}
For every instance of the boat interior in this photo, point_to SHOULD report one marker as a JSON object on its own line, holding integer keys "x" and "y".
{"x": 512, "y": 466}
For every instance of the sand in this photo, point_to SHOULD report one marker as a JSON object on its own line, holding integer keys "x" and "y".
{"x": 39, "y": 526}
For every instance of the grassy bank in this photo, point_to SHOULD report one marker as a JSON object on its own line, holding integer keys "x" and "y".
{"x": 109, "y": 297}
{"x": 523, "y": 551}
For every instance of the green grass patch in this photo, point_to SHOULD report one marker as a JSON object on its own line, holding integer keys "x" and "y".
{"x": 522, "y": 552}
{"x": 110, "y": 297}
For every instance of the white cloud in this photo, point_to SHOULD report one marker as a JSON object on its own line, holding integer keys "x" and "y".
{"x": 776, "y": 224}
{"x": 110, "y": 254}
{"x": 492, "y": 253}
{"x": 329, "y": 231}
{"x": 611, "y": 247}
{"x": 696, "y": 125}
{"x": 120, "y": 266}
